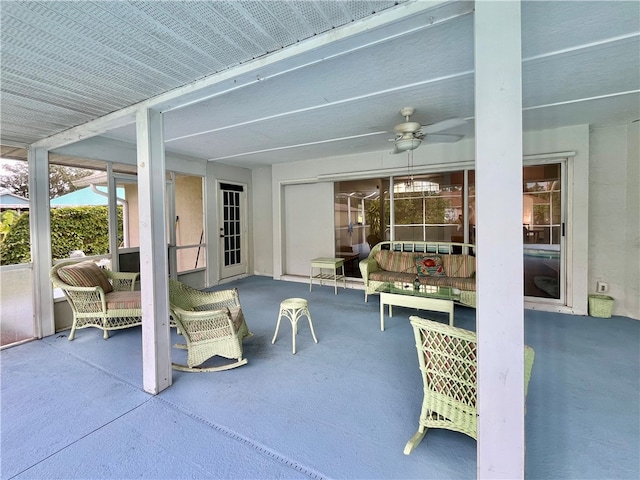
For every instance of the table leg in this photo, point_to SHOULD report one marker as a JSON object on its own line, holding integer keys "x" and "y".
{"x": 311, "y": 279}
{"x": 381, "y": 315}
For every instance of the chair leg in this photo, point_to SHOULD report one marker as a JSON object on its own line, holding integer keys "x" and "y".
{"x": 415, "y": 440}
{"x": 105, "y": 324}
{"x": 294, "y": 332}
{"x": 308, "y": 314}
{"x": 72, "y": 335}
{"x": 275, "y": 335}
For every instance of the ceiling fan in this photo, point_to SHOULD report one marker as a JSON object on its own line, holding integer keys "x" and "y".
{"x": 409, "y": 135}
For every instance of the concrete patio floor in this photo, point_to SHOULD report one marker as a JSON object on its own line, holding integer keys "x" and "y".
{"x": 342, "y": 408}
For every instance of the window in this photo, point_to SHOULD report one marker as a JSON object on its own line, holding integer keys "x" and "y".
{"x": 429, "y": 207}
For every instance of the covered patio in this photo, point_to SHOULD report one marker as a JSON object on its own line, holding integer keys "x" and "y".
{"x": 275, "y": 117}
{"x": 342, "y": 408}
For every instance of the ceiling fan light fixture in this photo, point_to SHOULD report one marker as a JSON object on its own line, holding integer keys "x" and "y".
{"x": 406, "y": 144}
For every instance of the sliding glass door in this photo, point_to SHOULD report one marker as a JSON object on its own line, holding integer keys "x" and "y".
{"x": 358, "y": 221}
{"x": 440, "y": 207}
{"x": 429, "y": 207}
{"x": 543, "y": 231}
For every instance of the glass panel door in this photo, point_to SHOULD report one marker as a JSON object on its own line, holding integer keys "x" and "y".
{"x": 357, "y": 220}
{"x": 543, "y": 231}
{"x": 232, "y": 219}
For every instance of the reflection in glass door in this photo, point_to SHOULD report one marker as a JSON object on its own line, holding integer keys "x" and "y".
{"x": 543, "y": 231}
{"x": 358, "y": 221}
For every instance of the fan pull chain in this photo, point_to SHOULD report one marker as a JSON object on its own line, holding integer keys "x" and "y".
{"x": 409, "y": 182}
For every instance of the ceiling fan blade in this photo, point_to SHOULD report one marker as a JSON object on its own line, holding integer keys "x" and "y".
{"x": 443, "y": 125}
{"x": 443, "y": 138}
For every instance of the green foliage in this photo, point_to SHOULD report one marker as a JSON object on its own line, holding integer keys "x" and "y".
{"x": 15, "y": 246}
{"x": 72, "y": 228}
{"x": 409, "y": 209}
{"x": 7, "y": 219}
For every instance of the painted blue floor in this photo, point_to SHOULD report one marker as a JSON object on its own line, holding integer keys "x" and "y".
{"x": 342, "y": 408}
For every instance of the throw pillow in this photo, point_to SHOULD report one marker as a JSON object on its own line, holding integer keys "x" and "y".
{"x": 85, "y": 274}
{"x": 429, "y": 265}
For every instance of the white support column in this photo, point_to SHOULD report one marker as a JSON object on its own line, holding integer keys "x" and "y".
{"x": 113, "y": 218}
{"x": 40, "y": 226}
{"x": 156, "y": 346}
{"x": 500, "y": 315}
{"x": 392, "y": 208}
{"x": 465, "y": 207}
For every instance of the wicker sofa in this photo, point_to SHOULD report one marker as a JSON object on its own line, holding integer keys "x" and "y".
{"x": 443, "y": 264}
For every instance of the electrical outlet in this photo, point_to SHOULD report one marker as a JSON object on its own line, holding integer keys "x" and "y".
{"x": 602, "y": 287}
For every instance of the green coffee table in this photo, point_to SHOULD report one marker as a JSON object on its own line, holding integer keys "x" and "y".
{"x": 400, "y": 294}
{"x": 332, "y": 264}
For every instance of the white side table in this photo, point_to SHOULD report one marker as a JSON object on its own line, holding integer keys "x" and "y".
{"x": 333, "y": 264}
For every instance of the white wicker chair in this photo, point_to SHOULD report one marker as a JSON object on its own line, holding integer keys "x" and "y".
{"x": 212, "y": 324}
{"x": 447, "y": 358}
{"x": 98, "y": 297}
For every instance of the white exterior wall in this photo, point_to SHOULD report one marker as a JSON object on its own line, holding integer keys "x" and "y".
{"x": 629, "y": 303}
{"x": 614, "y": 213}
{"x": 624, "y": 281}
{"x": 308, "y": 225}
{"x": 262, "y": 222}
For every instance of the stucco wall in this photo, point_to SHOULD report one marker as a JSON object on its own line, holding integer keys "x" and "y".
{"x": 614, "y": 207}
{"x": 632, "y": 282}
{"x": 262, "y": 222}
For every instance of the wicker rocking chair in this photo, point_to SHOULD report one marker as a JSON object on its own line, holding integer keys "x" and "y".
{"x": 447, "y": 357}
{"x": 98, "y": 297}
{"x": 212, "y": 324}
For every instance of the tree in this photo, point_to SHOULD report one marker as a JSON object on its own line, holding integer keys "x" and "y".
{"x": 7, "y": 218}
{"x": 16, "y": 179}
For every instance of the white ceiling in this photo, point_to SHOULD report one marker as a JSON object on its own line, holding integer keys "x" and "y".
{"x": 67, "y": 63}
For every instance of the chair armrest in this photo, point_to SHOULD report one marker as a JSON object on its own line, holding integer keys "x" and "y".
{"x": 215, "y": 300}
{"x": 367, "y": 266}
{"x": 529, "y": 356}
{"x": 85, "y": 300}
{"x": 70, "y": 288}
{"x": 122, "y": 280}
